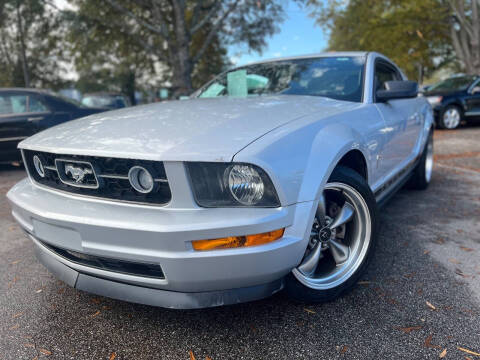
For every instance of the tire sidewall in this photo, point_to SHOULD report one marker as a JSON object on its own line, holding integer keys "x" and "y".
{"x": 418, "y": 181}
{"x": 448, "y": 107}
{"x": 295, "y": 289}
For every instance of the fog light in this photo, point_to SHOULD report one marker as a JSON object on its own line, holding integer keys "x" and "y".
{"x": 141, "y": 179}
{"x": 238, "y": 241}
{"x": 245, "y": 184}
{"x": 38, "y": 166}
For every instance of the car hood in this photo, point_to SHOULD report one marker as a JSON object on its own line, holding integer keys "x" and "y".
{"x": 186, "y": 130}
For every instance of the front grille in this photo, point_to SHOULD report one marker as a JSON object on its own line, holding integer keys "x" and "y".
{"x": 109, "y": 264}
{"x": 107, "y": 180}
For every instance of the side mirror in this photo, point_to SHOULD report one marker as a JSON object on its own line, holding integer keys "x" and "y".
{"x": 403, "y": 89}
{"x": 476, "y": 90}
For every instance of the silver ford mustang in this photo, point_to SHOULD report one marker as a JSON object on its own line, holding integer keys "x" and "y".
{"x": 268, "y": 178}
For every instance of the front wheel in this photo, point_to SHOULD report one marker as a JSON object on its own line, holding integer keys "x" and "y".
{"x": 450, "y": 117}
{"x": 341, "y": 243}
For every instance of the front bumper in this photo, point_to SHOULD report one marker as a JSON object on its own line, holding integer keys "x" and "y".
{"x": 162, "y": 236}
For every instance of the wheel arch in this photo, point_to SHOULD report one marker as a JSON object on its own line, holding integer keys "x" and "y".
{"x": 455, "y": 102}
{"x": 355, "y": 160}
{"x": 344, "y": 147}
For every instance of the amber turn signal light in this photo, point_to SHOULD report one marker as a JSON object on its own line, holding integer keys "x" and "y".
{"x": 238, "y": 241}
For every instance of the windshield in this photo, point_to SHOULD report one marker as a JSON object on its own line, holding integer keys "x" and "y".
{"x": 455, "y": 83}
{"x": 338, "y": 78}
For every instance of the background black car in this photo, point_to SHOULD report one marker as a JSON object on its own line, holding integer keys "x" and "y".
{"x": 106, "y": 100}
{"x": 24, "y": 112}
{"x": 455, "y": 99}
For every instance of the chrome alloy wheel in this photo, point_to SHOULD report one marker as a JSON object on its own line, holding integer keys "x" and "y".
{"x": 451, "y": 118}
{"x": 339, "y": 240}
{"x": 429, "y": 160}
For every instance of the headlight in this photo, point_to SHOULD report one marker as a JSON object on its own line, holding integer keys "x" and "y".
{"x": 231, "y": 185}
{"x": 245, "y": 184}
{"x": 434, "y": 100}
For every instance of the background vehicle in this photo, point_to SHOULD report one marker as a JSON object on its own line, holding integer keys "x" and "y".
{"x": 24, "y": 112}
{"x": 106, "y": 100}
{"x": 454, "y": 100}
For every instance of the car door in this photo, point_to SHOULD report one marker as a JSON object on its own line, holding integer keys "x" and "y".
{"x": 39, "y": 113}
{"x": 14, "y": 125}
{"x": 402, "y": 120}
{"x": 472, "y": 100}
{"x": 20, "y": 115}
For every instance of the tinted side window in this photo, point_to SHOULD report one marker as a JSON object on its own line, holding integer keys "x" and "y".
{"x": 13, "y": 104}
{"x": 36, "y": 105}
{"x": 384, "y": 73}
{"x": 5, "y": 105}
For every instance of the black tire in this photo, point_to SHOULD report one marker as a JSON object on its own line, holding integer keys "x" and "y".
{"x": 300, "y": 292}
{"x": 419, "y": 179}
{"x": 441, "y": 122}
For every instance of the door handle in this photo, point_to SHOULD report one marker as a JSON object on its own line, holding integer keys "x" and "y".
{"x": 36, "y": 118}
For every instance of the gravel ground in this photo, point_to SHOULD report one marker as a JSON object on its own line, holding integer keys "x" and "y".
{"x": 419, "y": 298}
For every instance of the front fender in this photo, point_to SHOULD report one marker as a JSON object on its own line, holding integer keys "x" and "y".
{"x": 329, "y": 146}
{"x": 301, "y": 157}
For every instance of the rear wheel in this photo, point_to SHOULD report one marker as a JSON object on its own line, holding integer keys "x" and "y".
{"x": 341, "y": 242}
{"x": 422, "y": 174}
{"x": 450, "y": 117}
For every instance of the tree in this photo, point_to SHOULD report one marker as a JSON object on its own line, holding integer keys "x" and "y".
{"x": 465, "y": 33}
{"x": 30, "y": 33}
{"x": 180, "y": 33}
{"x": 105, "y": 57}
{"x": 413, "y": 33}
{"x": 112, "y": 53}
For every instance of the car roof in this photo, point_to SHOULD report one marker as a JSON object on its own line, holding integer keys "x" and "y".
{"x": 29, "y": 90}
{"x": 315, "y": 55}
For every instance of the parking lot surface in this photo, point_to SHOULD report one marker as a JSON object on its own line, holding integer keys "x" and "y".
{"x": 420, "y": 298}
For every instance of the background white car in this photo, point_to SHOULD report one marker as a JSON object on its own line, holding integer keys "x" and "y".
{"x": 269, "y": 177}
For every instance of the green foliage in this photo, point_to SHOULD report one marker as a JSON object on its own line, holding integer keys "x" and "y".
{"x": 113, "y": 53}
{"x": 30, "y": 50}
{"x": 181, "y": 43}
{"x": 106, "y": 58}
{"x": 413, "y": 33}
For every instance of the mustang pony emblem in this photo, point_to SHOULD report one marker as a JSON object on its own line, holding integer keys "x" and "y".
{"x": 77, "y": 173}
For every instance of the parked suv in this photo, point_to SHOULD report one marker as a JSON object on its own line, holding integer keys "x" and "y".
{"x": 454, "y": 100}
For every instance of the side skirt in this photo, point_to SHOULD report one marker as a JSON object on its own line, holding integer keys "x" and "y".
{"x": 385, "y": 192}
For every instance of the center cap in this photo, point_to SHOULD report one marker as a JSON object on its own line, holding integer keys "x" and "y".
{"x": 325, "y": 234}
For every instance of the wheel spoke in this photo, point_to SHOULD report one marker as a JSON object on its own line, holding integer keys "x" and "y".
{"x": 321, "y": 211}
{"x": 344, "y": 216}
{"x": 309, "y": 264}
{"x": 339, "y": 251}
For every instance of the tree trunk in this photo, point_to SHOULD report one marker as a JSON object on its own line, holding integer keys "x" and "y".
{"x": 465, "y": 33}
{"x": 128, "y": 86}
{"x": 182, "y": 79}
{"x": 475, "y": 39}
{"x": 420, "y": 73}
{"x": 21, "y": 40}
{"x": 180, "y": 59}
